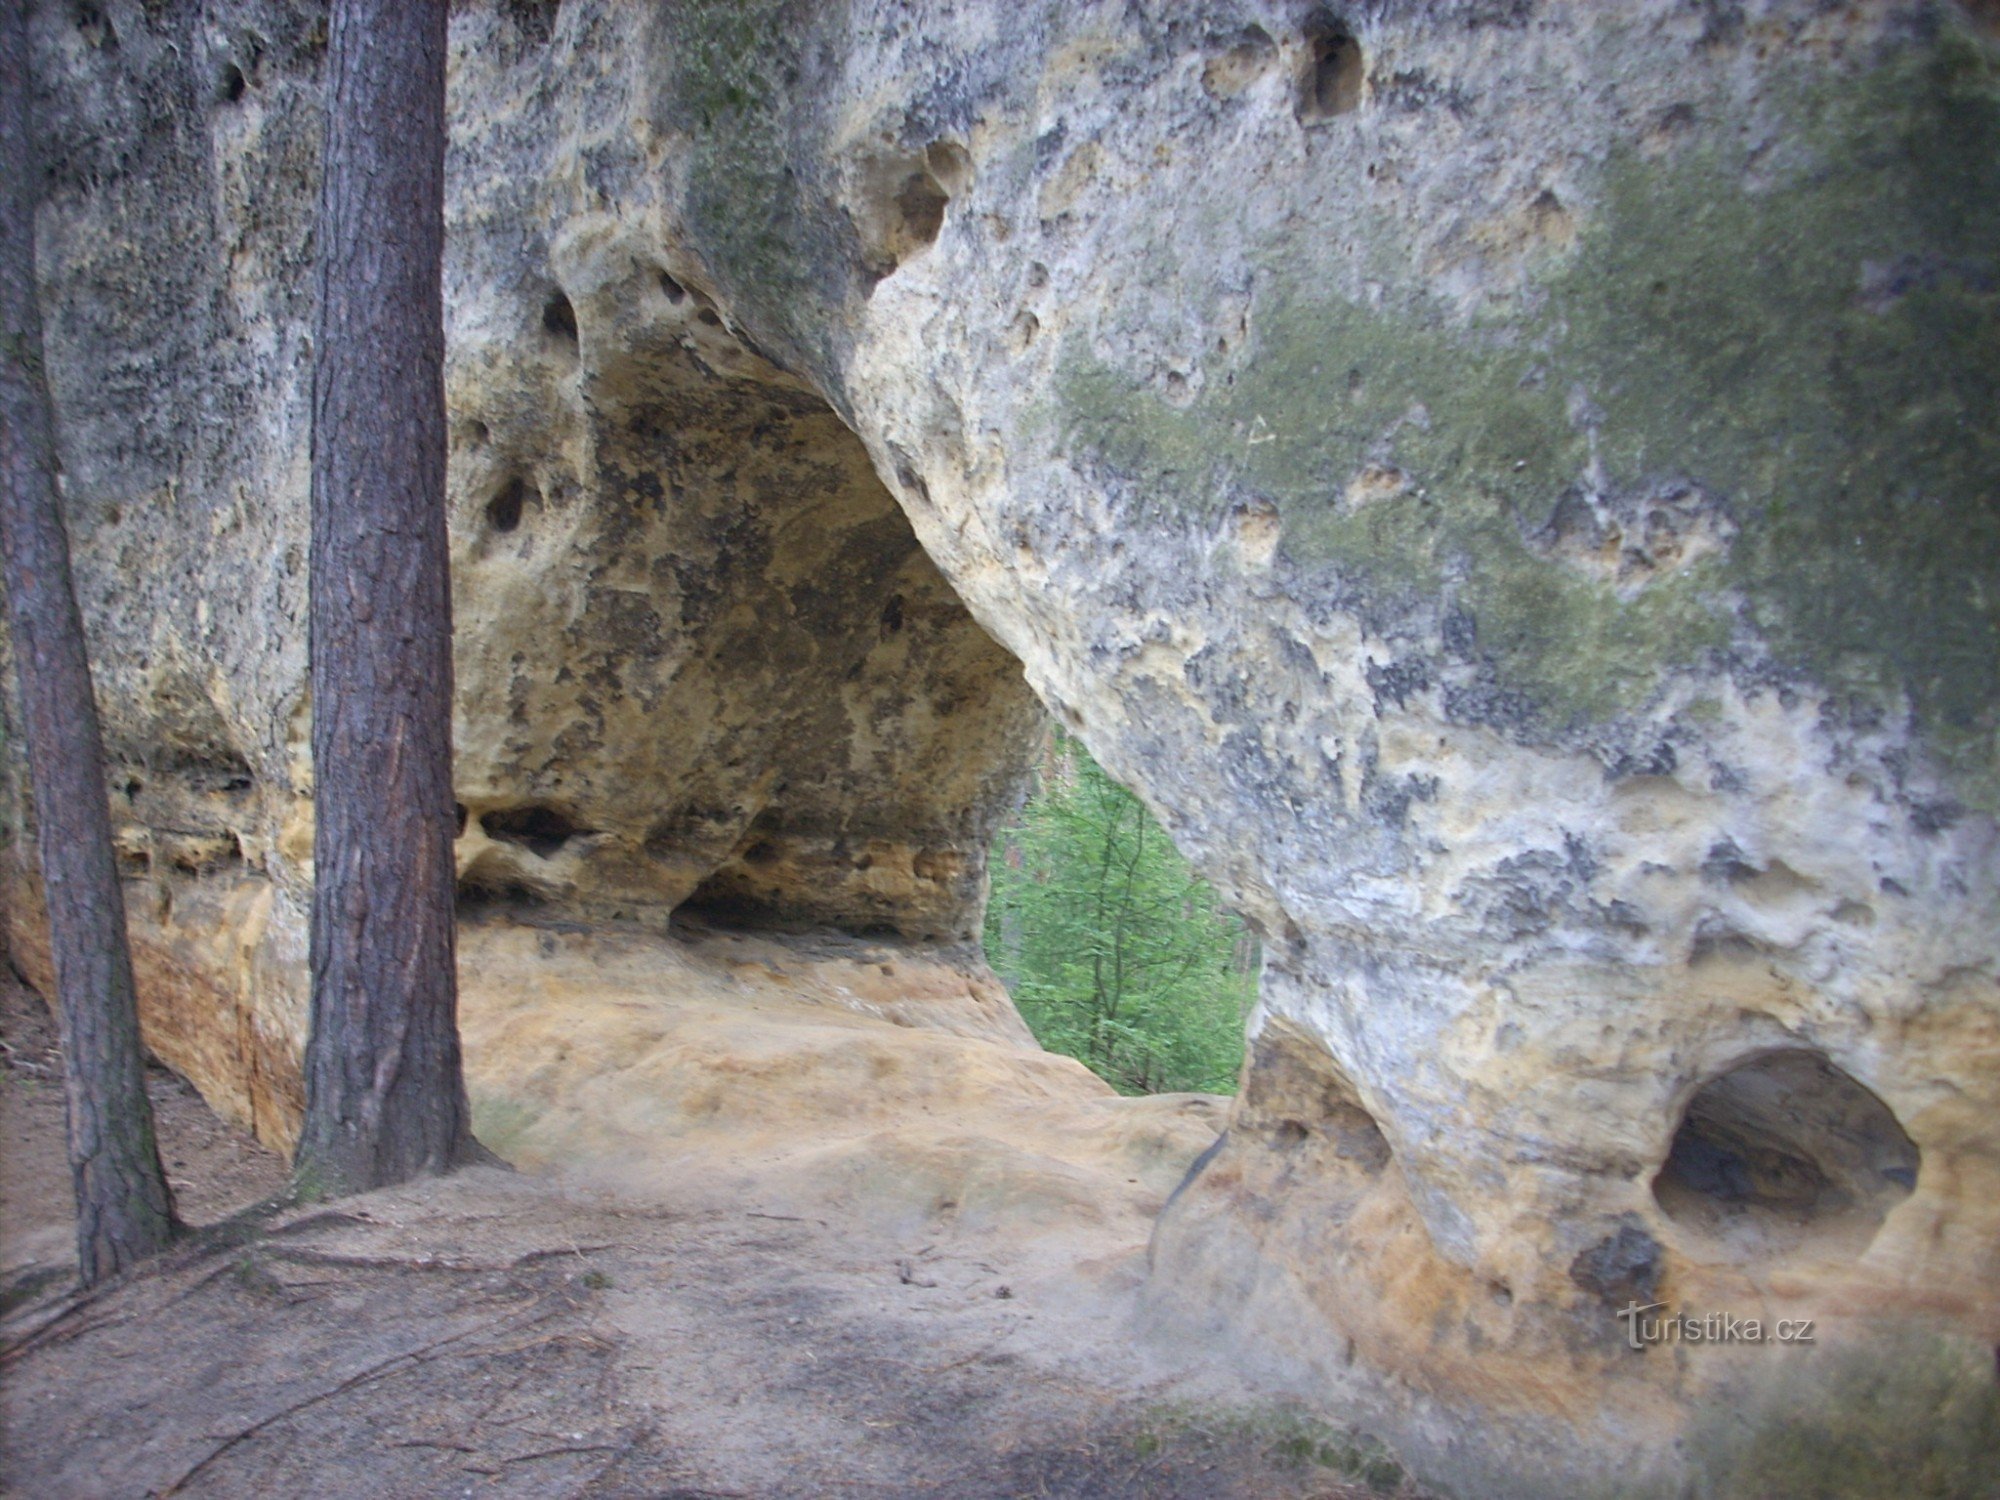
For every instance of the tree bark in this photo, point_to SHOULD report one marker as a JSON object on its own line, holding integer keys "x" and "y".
{"x": 124, "y": 1210}
{"x": 385, "y": 1094}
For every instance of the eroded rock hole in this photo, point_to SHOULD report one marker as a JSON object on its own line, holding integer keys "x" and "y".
{"x": 1237, "y": 61}
{"x": 483, "y": 890}
{"x": 202, "y": 854}
{"x": 1297, "y": 1096}
{"x": 504, "y": 510}
{"x": 922, "y": 203}
{"x": 902, "y": 208}
{"x": 183, "y": 812}
{"x": 232, "y": 85}
{"x": 1331, "y": 84}
{"x": 540, "y": 829}
{"x": 726, "y": 902}
{"x": 535, "y": 19}
{"x": 95, "y": 28}
{"x": 675, "y": 292}
{"x": 559, "y": 318}
{"x": 1783, "y": 1149}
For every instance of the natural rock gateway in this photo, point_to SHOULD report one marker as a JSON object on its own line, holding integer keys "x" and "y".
{"x": 1511, "y": 485}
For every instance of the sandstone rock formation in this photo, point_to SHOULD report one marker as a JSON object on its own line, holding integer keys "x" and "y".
{"x": 1511, "y": 485}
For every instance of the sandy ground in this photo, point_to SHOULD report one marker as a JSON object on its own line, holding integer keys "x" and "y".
{"x": 565, "y": 1333}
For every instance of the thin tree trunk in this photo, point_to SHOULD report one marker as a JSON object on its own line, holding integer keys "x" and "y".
{"x": 385, "y": 1095}
{"x": 124, "y": 1210}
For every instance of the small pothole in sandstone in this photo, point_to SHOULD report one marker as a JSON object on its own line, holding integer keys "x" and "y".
{"x": 1785, "y": 1149}
{"x": 559, "y": 319}
{"x": 509, "y": 503}
{"x": 480, "y": 890}
{"x": 901, "y": 210}
{"x": 1331, "y": 83}
{"x": 922, "y": 203}
{"x": 536, "y": 827}
{"x": 535, "y": 19}
{"x": 205, "y": 853}
{"x": 95, "y": 28}
{"x": 1237, "y": 61}
{"x": 1297, "y": 1096}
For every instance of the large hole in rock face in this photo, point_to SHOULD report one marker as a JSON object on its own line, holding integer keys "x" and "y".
{"x": 1783, "y": 1150}
{"x": 731, "y": 662}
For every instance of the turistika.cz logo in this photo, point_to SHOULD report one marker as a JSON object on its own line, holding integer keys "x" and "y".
{"x": 1652, "y": 1324}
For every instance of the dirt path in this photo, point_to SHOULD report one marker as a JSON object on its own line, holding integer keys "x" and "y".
{"x": 512, "y": 1335}
{"x": 215, "y": 1168}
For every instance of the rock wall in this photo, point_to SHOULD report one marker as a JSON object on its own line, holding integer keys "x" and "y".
{"x": 703, "y": 665}
{"x": 1511, "y": 485}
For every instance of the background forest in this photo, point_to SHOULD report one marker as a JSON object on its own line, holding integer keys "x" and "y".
{"x": 1116, "y": 951}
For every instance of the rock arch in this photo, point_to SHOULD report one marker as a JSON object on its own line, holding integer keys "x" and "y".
{"x": 713, "y": 640}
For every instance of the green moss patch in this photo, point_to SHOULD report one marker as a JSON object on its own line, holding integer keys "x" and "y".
{"x": 1815, "y": 358}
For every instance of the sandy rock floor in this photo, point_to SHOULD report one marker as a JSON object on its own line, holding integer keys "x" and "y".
{"x": 565, "y": 1333}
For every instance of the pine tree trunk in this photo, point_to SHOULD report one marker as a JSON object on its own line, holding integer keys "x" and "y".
{"x": 124, "y": 1210}
{"x": 385, "y": 1095}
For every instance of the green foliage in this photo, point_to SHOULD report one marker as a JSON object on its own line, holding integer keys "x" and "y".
{"x": 1114, "y": 948}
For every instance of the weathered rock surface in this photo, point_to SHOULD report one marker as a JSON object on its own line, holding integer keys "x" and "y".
{"x": 1511, "y": 485}
{"x": 810, "y": 1072}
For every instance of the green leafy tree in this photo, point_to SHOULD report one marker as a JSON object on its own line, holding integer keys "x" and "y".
{"x": 1115, "y": 950}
